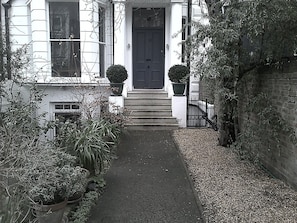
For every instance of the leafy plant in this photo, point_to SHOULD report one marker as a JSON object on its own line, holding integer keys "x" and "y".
{"x": 91, "y": 143}
{"x": 49, "y": 175}
{"x": 82, "y": 212}
{"x": 178, "y": 73}
{"x": 116, "y": 73}
{"x": 268, "y": 131}
{"x": 237, "y": 37}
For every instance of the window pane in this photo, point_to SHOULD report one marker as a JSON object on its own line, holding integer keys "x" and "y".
{"x": 65, "y": 58}
{"x": 101, "y": 24}
{"x": 102, "y": 41}
{"x": 150, "y": 17}
{"x": 75, "y": 106}
{"x": 66, "y": 106}
{"x": 102, "y": 59}
{"x": 64, "y": 20}
{"x": 58, "y": 106}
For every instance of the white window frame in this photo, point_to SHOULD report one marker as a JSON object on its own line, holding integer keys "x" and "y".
{"x": 63, "y": 40}
{"x": 64, "y": 109}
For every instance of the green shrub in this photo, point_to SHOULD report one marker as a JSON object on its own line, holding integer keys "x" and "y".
{"x": 91, "y": 143}
{"x": 116, "y": 73}
{"x": 178, "y": 73}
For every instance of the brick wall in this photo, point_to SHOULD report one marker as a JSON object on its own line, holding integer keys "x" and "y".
{"x": 278, "y": 154}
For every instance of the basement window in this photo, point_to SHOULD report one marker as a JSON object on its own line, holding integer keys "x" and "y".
{"x": 66, "y": 112}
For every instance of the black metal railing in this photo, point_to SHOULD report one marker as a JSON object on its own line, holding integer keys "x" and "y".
{"x": 198, "y": 117}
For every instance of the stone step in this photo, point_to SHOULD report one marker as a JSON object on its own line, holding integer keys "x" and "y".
{"x": 147, "y": 101}
{"x": 152, "y": 120}
{"x": 151, "y": 127}
{"x": 148, "y": 107}
{"x": 151, "y": 93}
{"x": 150, "y": 113}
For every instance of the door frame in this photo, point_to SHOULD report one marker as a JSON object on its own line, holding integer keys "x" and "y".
{"x": 150, "y": 84}
{"x": 162, "y": 29}
{"x": 128, "y": 41}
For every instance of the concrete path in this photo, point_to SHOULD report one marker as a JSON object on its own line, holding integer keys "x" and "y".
{"x": 147, "y": 183}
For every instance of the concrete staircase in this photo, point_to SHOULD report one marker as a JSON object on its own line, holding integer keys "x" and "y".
{"x": 149, "y": 109}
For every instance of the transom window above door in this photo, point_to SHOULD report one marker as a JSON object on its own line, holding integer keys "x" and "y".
{"x": 65, "y": 39}
{"x": 148, "y": 17}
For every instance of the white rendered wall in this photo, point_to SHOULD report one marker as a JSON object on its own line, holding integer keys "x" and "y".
{"x": 179, "y": 110}
{"x": 40, "y": 46}
{"x": 29, "y": 24}
{"x": 89, "y": 36}
{"x": 199, "y": 14}
{"x": 173, "y": 45}
{"x": 20, "y": 24}
{"x": 88, "y": 96}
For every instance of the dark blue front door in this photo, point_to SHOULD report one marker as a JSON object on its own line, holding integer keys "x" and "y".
{"x": 148, "y": 49}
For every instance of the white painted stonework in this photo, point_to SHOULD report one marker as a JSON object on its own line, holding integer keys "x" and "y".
{"x": 29, "y": 24}
{"x": 179, "y": 110}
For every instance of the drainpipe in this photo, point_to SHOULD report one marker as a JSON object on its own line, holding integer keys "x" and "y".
{"x": 1, "y": 48}
{"x": 189, "y": 34}
{"x": 112, "y": 15}
{"x": 7, "y": 6}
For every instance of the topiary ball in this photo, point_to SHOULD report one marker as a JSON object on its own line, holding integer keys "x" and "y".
{"x": 177, "y": 73}
{"x": 116, "y": 74}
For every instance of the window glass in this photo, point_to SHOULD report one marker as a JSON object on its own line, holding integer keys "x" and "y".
{"x": 64, "y": 20}
{"x": 65, "y": 59}
{"x": 65, "y": 39}
{"x": 148, "y": 17}
{"x": 102, "y": 40}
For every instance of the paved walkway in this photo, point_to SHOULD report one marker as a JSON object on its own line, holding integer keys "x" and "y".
{"x": 147, "y": 183}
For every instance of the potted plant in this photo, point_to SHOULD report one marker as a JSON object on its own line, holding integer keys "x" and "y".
{"x": 91, "y": 143}
{"x": 178, "y": 75}
{"x": 49, "y": 177}
{"x": 116, "y": 74}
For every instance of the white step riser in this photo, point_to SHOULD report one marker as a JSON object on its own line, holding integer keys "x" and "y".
{"x": 148, "y": 95}
{"x": 151, "y": 127}
{"x": 147, "y": 102}
{"x": 163, "y": 121}
{"x": 151, "y": 113}
{"x": 147, "y": 107}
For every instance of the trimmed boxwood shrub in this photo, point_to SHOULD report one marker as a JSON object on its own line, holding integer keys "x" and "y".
{"x": 116, "y": 73}
{"x": 177, "y": 73}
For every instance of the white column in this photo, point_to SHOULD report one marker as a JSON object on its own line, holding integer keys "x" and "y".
{"x": 173, "y": 45}
{"x": 89, "y": 46}
{"x": 119, "y": 33}
{"x": 40, "y": 45}
{"x": 175, "y": 32}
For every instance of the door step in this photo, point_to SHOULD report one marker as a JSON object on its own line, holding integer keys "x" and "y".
{"x": 149, "y": 109}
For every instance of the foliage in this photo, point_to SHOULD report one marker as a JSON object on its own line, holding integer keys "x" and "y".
{"x": 118, "y": 119}
{"x": 116, "y": 73}
{"x": 243, "y": 36}
{"x": 266, "y": 133}
{"x": 13, "y": 205}
{"x": 49, "y": 175}
{"x": 178, "y": 73}
{"x": 82, "y": 212}
{"x": 91, "y": 143}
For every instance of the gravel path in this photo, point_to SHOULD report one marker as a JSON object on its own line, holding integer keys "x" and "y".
{"x": 230, "y": 189}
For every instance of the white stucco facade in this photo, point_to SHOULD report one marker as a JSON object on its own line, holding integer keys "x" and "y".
{"x": 29, "y": 24}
